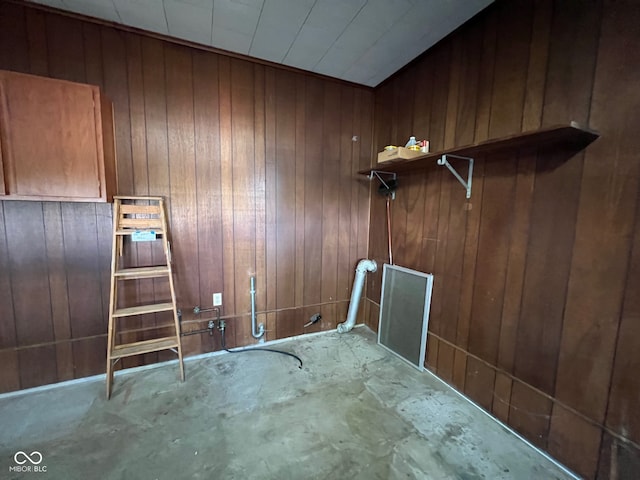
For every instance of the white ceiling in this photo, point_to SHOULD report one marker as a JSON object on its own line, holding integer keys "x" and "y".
{"x": 362, "y": 41}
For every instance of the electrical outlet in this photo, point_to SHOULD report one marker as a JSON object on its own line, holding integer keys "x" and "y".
{"x": 217, "y": 299}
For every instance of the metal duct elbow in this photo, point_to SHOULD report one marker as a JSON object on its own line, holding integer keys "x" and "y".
{"x": 363, "y": 267}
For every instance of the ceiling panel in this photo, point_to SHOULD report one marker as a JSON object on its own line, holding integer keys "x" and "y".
{"x": 362, "y": 41}
{"x": 144, "y": 14}
{"x": 189, "y": 20}
{"x": 236, "y": 16}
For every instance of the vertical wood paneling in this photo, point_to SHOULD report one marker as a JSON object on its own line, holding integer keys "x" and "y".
{"x": 618, "y": 459}
{"x": 226, "y": 186}
{"x": 445, "y": 361}
{"x": 553, "y": 213}
{"x": 37, "y": 366}
{"x": 285, "y": 188}
{"x": 137, "y": 116}
{"x": 82, "y": 269}
{"x": 239, "y": 151}
{"x": 404, "y": 100}
{"x": 300, "y": 192}
{"x": 486, "y": 75}
{"x": 491, "y": 263}
{"x": 10, "y": 371}
{"x": 453, "y": 258}
{"x": 451, "y": 117}
{"x": 328, "y": 312}
{"x": 313, "y": 218}
{"x": 431, "y": 222}
{"x": 359, "y": 193}
{"x": 519, "y": 236}
{"x": 104, "y": 213}
{"x": 115, "y": 81}
{"x": 65, "y": 48}
{"x": 549, "y": 244}
{"x": 432, "y": 353}
{"x": 13, "y": 38}
{"x": 378, "y": 246}
{"x": 244, "y": 244}
{"x": 58, "y": 287}
{"x": 474, "y": 211}
{"x": 605, "y": 223}
{"x": 413, "y": 198}
{"x": 270, "y": 192}
{"x": 89, "y": 356}
{"x": 28, "y": 272}
{"x": 479, "y": 383}
{"x": 530, "y": 413}
{"x": 37, "y": 40}
{"x": 502, "y": 397}
{"x": 344, "y": 265}
{"x": 622, "y": 413}
{"x": 260, "y": 189}
{"x": 155, "y": 122}
{"x": 470, "y": 57}
{"x": 536, "y": 71}
{"x": 575, "y": 441}
{"x": 142, "y": 252}
{"x": 92, "y": 54}
{"x": 512, "y": 51}
{"x": 182, "y": 174}
{"x": 365, "y": 155}
{"x": 436, "y": 322}
{"x": 209, "y": 202}
{"x": 459, "y": 369}
{"x": 8, "y": 336}
{"x": 330, "y": 191}
{"x": 572, "y": 57}
{"x": 288, "y": 323}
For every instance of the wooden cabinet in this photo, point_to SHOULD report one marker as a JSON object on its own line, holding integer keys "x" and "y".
{"x": 56, "y": 140}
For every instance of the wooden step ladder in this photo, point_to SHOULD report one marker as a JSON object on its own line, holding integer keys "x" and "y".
{"x": 135, "y": 218}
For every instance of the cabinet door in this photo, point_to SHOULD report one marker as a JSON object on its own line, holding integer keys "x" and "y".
{"x": 50, "y": 141}
{"x": 3, "y": 188}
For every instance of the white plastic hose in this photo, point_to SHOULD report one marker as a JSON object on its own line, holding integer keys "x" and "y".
{"x": 363, "y": 267}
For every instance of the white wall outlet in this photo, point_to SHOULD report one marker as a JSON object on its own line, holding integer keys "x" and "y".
{"x": 217, "y": 299}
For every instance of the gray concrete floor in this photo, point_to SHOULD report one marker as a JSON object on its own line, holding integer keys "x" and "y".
{"x": 353, "y": 412}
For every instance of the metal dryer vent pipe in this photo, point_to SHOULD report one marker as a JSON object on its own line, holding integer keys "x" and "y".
{"x": 259, "y": 331}
{"x": 363, "y": 267}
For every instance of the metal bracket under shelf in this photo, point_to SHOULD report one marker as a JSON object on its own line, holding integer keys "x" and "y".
{"x": 378, "y": 173}
{"x": 467, "y": 185}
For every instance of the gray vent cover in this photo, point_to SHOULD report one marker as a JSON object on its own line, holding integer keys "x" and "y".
{"x": 404, "y": 313}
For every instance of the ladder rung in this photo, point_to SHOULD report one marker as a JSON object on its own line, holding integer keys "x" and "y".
{"x": 142, "y": 309}
{"x": 133, "y": 230}
{"x": 139, "y": 199}
{"x": 128, "y": 209}
{"x": 142, "y": 272}
{"x": 145, "y": 346}
{"x": 140, "y": 223}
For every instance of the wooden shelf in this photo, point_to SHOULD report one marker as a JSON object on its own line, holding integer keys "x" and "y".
{"x": 143, "y": 309}
{"x": 558, "y": 136}
{"x": 146, "y": 346}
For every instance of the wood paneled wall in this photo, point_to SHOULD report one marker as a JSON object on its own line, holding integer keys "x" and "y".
{"x": 258, "y": 166}
{"x": 535, "y": 312}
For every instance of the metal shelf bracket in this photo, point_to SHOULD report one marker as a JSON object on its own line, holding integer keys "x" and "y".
{"x": 377, "y": 174}
{"x": 467, "y": 185}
